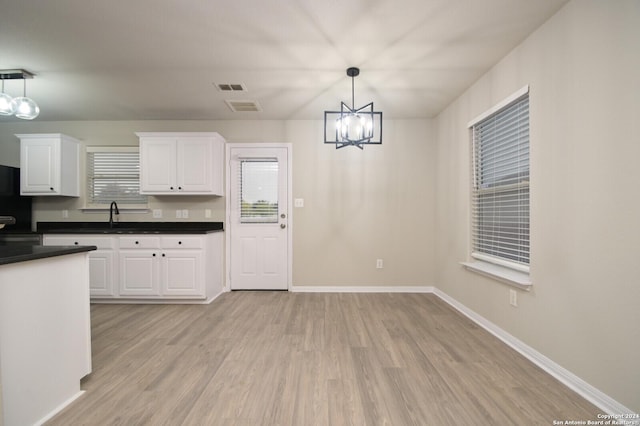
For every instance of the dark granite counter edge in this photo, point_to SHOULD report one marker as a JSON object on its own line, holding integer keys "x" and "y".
{"x": 129, "y": 227}
{"x": 18, "y": 253}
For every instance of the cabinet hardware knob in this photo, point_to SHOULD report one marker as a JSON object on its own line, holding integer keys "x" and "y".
{"x": 51, "y": 188}
{"x": 137, "y": 242}
{"x": 162, "y": 254}
{"x": 171, "y": 188}
{"x": 154, "y": 255}
{"x": 180, "y": 188}
{"x": 179, "y": 242}
{"x": 76, "y": 243}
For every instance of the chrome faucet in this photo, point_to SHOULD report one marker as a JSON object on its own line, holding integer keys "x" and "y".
{"x": 111, "y": 207}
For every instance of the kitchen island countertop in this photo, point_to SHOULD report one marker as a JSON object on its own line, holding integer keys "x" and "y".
{"x": 21, "y": 253}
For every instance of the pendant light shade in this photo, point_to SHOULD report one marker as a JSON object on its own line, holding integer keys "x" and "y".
{"x": 22, "y": 107}
{"x": 6, "y": 107}
{"x": 25, "y": 108}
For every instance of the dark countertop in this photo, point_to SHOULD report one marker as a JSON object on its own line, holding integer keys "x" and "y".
{"x": 129, "y": 227}
{"x": 7, "y": 220}
{"x": 21, "y": 253}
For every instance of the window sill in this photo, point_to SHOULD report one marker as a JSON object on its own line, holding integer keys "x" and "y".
{"x": 509, "y": 276}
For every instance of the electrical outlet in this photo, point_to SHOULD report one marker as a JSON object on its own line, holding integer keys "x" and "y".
{"x": 513, "y": 298}
{"x": 298, "y": 202}
{"x": 65, "y": 214}
{"x": 178, "y": 214}
{"x": 185, "y": 214}
{"x": 207, "y": 213}
{"x": 379, "y": 264}
{"x": 157, "y": 213}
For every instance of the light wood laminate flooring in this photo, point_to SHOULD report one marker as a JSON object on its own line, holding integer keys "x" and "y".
{"x": 280, "y": 358}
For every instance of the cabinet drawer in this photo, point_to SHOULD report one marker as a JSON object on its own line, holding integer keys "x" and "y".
{"x": 177, "y": 242}
{"x": 142, "y": 242}
{"x": 102, "y": 243}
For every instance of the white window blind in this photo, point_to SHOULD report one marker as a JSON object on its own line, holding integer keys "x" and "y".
{"x": 500, "y": 190}
{"x": 258, "y": 191}
{"x": 114, "y": 175}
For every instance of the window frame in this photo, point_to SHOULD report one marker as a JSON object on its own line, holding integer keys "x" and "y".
{"x": 497, "y": 266}
{"x": 269, "y": 212}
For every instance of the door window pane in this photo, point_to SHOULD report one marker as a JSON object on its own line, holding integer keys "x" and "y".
{"x": 259, "y": 191}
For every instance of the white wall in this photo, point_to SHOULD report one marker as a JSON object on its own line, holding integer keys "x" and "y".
{"x": 364, "y": 205}
{"x": 359, "y": 205}
{"x": 583, "y": 68}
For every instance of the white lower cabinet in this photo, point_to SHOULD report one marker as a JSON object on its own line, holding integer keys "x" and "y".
{"x": 138, "y": 273}
{"x": 152, "y": 267}
{"x": 101, "y": 279}
{"x": 181, "y": 273}
{"x": 101, "y": 261}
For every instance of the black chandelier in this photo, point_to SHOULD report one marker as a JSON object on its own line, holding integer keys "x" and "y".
{"x": 353, "y": 126}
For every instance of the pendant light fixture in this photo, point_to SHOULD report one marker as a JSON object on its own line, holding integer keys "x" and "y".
{"x": 353, "y": 126}
{"x": 22, "y": 107}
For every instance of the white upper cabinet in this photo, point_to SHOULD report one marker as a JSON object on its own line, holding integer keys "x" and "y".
{"x": 181, "y": 163}
{"x": 49, "y": 164}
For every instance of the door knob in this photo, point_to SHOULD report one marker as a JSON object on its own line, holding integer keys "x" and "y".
{"x": 282, "y": 225}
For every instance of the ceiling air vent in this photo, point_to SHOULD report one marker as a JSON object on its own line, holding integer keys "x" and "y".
{"x": 230, "y": 87}
{"x": 244, "y": 106}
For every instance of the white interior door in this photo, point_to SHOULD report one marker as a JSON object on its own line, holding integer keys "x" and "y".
{"x": 258, "y": 225}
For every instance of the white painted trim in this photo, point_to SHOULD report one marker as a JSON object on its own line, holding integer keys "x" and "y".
{"x": 361, "y": 289}
{"x": 573, "y": 382}
{"x": 159, "y": 301}
{"x": 506, "y": 275}
{"x": 59, "y": 408}
{"x": 289, "y": 148}
{"x": 497, "y": 107}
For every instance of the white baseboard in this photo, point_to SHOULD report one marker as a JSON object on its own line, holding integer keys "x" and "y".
{"x": 573, "y": 382}
{"x": 124, "y": 301}
{"x": 59, "y": 408}
{"x": 361, "y": 289}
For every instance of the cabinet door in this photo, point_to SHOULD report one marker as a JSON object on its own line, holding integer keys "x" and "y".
{"x": 194, "y": 160}
{"x": 40, "y": 166}
{"x": 102, "y": 269}
{"x": 182, "y": 273}
{"x": 138, "y": 273}
{"x": 101, "y": 273}
{"x": 158, "y": 166}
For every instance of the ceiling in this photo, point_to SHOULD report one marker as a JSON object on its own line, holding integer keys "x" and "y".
{"x": 159, "y": 59}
